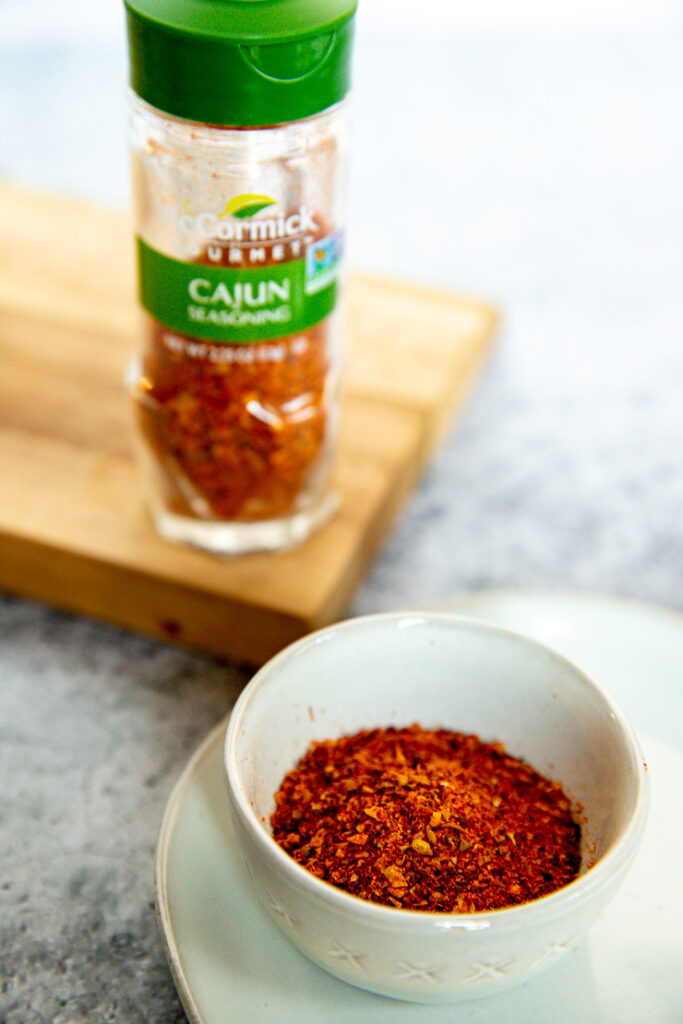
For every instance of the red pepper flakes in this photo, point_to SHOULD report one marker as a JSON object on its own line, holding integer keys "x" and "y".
{"x": 427, "y": 820}
{"x": 239, "y": 429}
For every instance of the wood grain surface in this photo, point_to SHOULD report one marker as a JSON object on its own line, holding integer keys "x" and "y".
{"x": 74, "y": 531}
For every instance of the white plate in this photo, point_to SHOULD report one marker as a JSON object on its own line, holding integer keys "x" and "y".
{"x": 232, "y": 966}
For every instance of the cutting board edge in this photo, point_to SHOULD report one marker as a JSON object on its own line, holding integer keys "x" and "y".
{"x": 163, "y": 609}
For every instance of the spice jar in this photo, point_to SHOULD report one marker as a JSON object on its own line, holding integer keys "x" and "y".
{"x": 239, "y": 140}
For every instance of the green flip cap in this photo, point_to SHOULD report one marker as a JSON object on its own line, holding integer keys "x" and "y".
{"x": 240, "y": 62}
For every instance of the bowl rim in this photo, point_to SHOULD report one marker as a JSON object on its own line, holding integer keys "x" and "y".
{"x": 593, "y": 878}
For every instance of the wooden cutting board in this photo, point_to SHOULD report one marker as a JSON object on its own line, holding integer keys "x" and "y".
{"x": 73, "y": 528}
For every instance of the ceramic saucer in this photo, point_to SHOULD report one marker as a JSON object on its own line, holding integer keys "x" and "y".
{"x": 232, "y": 966}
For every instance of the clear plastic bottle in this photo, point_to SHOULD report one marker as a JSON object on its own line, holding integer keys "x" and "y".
{"x": 239, "y": 141}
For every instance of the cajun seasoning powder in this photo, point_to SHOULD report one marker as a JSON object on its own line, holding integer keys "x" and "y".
{"x": 427, "y": 820}
{"x": 239, "y": 144}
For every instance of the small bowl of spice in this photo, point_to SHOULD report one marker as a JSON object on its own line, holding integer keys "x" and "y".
{"x": 430, "y": 807}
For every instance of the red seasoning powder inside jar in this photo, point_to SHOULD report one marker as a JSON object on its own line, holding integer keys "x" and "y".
{"x": 427, "y": 820}
{"x": 238, "y": 429}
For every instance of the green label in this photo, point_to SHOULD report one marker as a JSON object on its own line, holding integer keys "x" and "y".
{"x": 237, "y": 305}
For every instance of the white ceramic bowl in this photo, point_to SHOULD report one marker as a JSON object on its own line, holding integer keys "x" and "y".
{"x": 441, "y": 671}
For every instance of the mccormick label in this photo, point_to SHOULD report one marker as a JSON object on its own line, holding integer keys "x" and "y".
{"x": 258, "y": 275}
